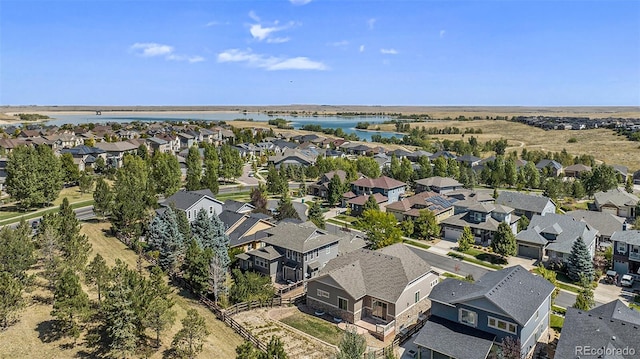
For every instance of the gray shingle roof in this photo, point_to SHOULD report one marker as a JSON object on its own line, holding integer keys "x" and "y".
{"x": 229, "y": 218}
{"x": 600, "y": 328}
{"x": 383, "y": 274}
{"x": 439, "y": 182}
{"x": 454, "y": 340}
{"x": 629, "y": 237}
{"x": 185, "y": 199}
{"x": 616, "y": 197}
{"x": 298, "y": 237}
{"x": 523, "y": 201}
{"x": 606, "y": 223}
{"x": 514, "y": 290}
{"x": 566, "y": 227}
{"x": 268, "y": 253}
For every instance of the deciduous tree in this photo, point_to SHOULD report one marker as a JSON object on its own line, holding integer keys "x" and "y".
{"x": 466, "y": 240}
{"x": 165, "y": 173}
{"x": 426, "y": 225}
{"x": 315, "y": 215}
{"x": 504, "y": 242}
{"x": 102, "y": 198}
{"x": 381, "y": 228}
{"x": 133, "y": 197}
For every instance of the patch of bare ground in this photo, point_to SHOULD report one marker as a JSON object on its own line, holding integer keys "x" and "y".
{"x": 603, "y": 144}
{"x": 34, "y": 334}
{"x": 263, "y": 324}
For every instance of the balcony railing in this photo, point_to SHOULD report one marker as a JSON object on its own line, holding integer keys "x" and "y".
{"x": 634, "y": 256}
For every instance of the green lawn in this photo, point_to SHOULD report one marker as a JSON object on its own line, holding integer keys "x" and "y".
{"x": 558, "y": 309}
{"x": 474, "y": 260}
{"x": 345, "y": 218}
{"x": 485, "y": 256}
{"x": 35, "y": 214}
{"x": 315, "y": 327}
{"x": 556, "y": 322}
{"x": 634, "y": 306}
{"x": 416, "y": 243}
{"x": 244, "y": 195}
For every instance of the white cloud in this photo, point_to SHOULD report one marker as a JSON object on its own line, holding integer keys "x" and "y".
{"x": 299, "y": 2}
{"x": 262, "y": 32}
{"x": 361, "y": 48}
{"x": 442, "y": 32}
{"x": 339, "y": 43}
{"x": 253, "y": 16}
{"x": 150, "y": 49}
{"x": 270, "y": 63}
{"x": 216, "y": 23}
{"x": 389, "y": 51}
{"x": 371, "y": 23}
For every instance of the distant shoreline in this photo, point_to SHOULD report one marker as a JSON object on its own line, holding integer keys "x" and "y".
{"x": 435, "y": 112}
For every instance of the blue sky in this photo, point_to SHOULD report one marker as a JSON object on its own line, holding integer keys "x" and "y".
{"x": 278, "y": 52}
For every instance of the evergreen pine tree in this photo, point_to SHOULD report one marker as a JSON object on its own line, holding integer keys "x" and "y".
{"x": 98, "y": 273}
{"x": 316, "y": 216}
{"x": 584, "y": 299}
{"x": 466, "y": 240}
{"x": 352, "y": 345}
{"x": 11, "y": 300}
{"x": 285, "y": 209}
{"x": 119, "y": 315}
{"x": 580, "y": 262}
{"x": 165, "y": 237}
{"x": 70, "y": 303}
{"x": 188, "y": 341}
{"x": 371, "y": 204}
{"x": 275, "y": 350}
{"x": 196, "y": 267}
{"x": 102, "y": 198}
{"x": 202, "y": 229}
{"x": 74, "y": 245}
{"x": 219, "y": 265}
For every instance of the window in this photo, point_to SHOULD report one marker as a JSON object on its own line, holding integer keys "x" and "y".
{"x": 210, "y": 210}
{"x": 323, "y": 293}
{"x": 328, "y": 250}
{"x": 189, "y": 214}
{"x": 622, "y": 247}
{"x": 434, "y": 283}
{"x": 260, "y": 262}
{"x": 343, "y": 303}
{"x": 502, "y": 325}
{"x": 416, "y": 297}
{"x": 467, "y": 317}
{"x": 288, "y": 254}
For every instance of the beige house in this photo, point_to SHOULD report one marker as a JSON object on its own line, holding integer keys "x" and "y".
{"x": 382, "y": 291}
{"x": 617, "y": 202}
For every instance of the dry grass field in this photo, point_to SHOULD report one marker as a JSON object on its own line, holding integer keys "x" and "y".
{"x": 29, "y": 337}
{"x": 604, "y": 144}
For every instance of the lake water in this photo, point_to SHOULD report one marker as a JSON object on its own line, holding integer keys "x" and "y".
{"x": 347, "y": 124}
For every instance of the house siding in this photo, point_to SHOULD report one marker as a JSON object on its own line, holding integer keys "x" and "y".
{"x": 330, "y": 305}
{"x": 528, "y": 337}
{"x": 203, "y": 203}
{"x": 406, "y": 310}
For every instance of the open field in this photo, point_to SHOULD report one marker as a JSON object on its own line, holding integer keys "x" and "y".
{"x": 29, "y": 339}
{"x": 433, "y": 111}
{"x": 603, "y": 144}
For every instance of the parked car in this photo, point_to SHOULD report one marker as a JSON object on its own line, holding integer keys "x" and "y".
{"x": 627, "y": 280}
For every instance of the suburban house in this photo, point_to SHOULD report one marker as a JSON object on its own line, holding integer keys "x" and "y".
{"x": 552, "y": 167}
{"x": 626, "y": 252}
{"x": 186, "y": 140}
{"x": 191, "y": 202}
{"x": 553, "y": 235}
{"x": 292, "y": 252}
{"x": 605, "y": 223}
{"x": 383, "y": 291}
{"x": 613, "y": 326}
{"x": 245, "y": 230}
{"x": 526, "y": 204}
{"x": 467, "y": 319}
{"x": 116, "y": 151}
{"x": 470, "y": 161}
{"x": 237, "y": 206}
{"x": 158, "y": 145}
{"x": 295, "y": 157}
{"x": 437, "y": 184}
{"x": 409, "y": 208}
{"x": 482, "y": 218}
{"x": 576, "y": 170}
{"x": 618, "y": 202}
{"x": 84, "y": 156}
{"x": 321, "y": 188}
{"x": 386, "y": 190}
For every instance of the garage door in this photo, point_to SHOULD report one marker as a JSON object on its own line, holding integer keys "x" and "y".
{"x": 528, "y": 251}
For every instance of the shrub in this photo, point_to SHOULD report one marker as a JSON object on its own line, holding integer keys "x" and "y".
{"x": 572, "y": 140}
